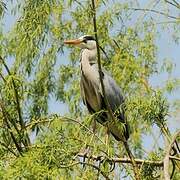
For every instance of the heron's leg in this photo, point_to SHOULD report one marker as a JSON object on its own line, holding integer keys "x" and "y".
{"x": 87, "y": 148}
{"x": 94, "y": 130}
{"x": 94, "y": 126}
{"x": 107, "y": 139}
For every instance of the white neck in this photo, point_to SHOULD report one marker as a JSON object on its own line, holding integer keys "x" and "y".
{"x": 88, "y": 56}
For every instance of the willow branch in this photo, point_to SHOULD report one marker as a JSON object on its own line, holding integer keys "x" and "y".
{"x": 18, "y": 147}
{"x": 88, "y": 164}
{"x": 174, "y": 157}
{"x": 166, "y": 158}
{"x": 99, "y": 62}
{"x": 70, "y": 165}
{"x": 97, "y": 168}
{"x": 9, "y": 149}
{"x": 122, "y": 160}
{"x": 175, "y": 4}
{"x": 29, "y": 125}
{"x": 15, "y": 94}
{"x": 21, "y": 122}
{"x": 11, "y": 121}
{"x": 2, "y": 77}
{"x": 154, "y": 11}
{"x": 166, "y": 132}
{"x": 135, "y": 168}
{"x": 85, "y": 127}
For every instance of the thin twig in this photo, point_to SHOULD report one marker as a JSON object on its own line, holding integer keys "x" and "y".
{"x": 63, "y": 118}
{"x": 171, "y": 3}
{"x": 2, "y": 77}
{"x": 176, "y": 2}
{"x": 97, "y": 168}
{"x": 166, "y": 158}
{"x": 9, "y": 149}
{"x": 69, "y": 165}
{"x": 154, "y": 11}
{"x": 88, "y": 164}
{"x": 99, "y": 62}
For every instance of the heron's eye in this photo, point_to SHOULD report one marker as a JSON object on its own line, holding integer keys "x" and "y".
{"x": 84, "y": 40}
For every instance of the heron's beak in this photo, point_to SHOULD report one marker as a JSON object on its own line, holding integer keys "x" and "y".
{"x": 73, "y": 42}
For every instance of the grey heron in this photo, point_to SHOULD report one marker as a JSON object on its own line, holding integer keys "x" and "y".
{"x": 91, "y": 90}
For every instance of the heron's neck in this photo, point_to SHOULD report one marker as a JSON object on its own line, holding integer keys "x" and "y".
{"x": 88, "y": 57}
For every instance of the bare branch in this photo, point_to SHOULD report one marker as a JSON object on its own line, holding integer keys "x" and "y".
{"x": 154, "y": 11}
{"x": 122, "y": 160}
{"x": 174, "y": 157}
{"x": 135, "y": 168}
{"x": 175, "y": 4}
{"x": 99, "y": 62}
{"x": 104, "y": 93}
{"x": 166, "y": 158}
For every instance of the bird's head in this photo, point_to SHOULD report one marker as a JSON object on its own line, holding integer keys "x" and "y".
{"x": 84, "y": 42}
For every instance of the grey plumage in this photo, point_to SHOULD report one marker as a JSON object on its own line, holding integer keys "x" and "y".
{"x": 91, "y": 90}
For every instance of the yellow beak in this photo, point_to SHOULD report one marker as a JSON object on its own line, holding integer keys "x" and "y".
{"x": 73, "y": 41}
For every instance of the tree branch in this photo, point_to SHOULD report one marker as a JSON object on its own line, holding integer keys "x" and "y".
{"x": 97, "y": 168}
{"x": 174, "y": 157}
{"x": 154, "y": 11}
{"x": 9, "y": 149}
{"x": 29, "y": 125}
{"x": 122, "y": 160}
{"x": 18, "y": 147}
{"x": 15, "y": 94}
{"x": 88, "y": 164}
{"x": 166, "y": 158}
{"x": 175, "y": 4}
{"x": 99, "y": 62}
{"x": 22, "y": 124}
{"x": 135, "y": 168}
{"x": 2, "y": 77}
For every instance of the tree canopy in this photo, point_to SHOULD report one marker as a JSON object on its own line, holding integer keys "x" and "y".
{"x": 36, "y": 68}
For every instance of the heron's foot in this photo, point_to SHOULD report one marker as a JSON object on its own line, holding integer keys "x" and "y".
{"x": 85, "y": 151}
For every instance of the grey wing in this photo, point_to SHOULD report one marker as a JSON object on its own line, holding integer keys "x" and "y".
{"x": 90, "y": 94}
{"x": 83, "y": 96}
{"x": 113, "y": 92}
{"x": 116, "y": 102}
